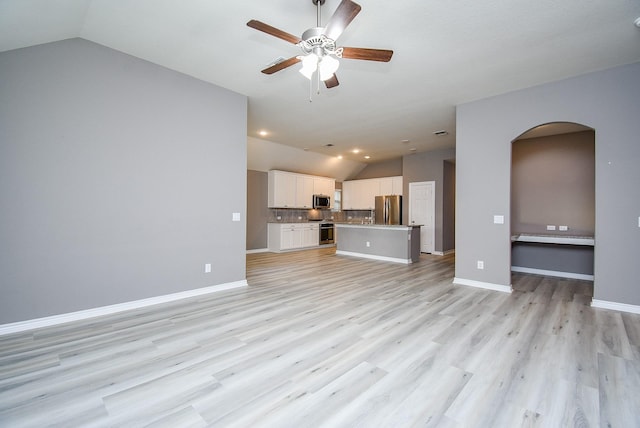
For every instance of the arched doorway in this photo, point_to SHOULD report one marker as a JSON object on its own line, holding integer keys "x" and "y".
{"x": 553, "y": 201}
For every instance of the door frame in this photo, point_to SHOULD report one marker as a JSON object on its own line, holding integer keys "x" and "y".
{"x": 433, "y": 208}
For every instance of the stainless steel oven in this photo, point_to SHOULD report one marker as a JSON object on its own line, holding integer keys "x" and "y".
{"x": 326, "y": 233}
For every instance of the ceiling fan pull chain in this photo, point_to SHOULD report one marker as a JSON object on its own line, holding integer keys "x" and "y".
{"x": 310, "y": 90}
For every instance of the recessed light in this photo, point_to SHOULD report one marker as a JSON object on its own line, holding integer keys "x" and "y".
{"x": 263, "y": 133}
{"x": 328, "y": 145}
{"x": 637, "y": 22}
{"x": 405, "y": 141}
{"x": 356, "y": 151}
{"x": 412, "y": 149}
{"x": 339, "y": 156}
{"x": 367, "y": 157}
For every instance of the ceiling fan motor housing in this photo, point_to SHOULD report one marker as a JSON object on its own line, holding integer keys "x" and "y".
{"x": 314, "y": 41}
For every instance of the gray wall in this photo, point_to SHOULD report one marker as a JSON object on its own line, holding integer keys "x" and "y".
{"x": 257, "y": 211}
{"x": 606, "y": 101}
{"x": 558, "y": 258}
{"x": 429, "y": 166}
{"x": 449, "y": 206}
{"x": 553, "y": 183}
{"x": 388, "y": 168}
{"x": 118, "y": 180}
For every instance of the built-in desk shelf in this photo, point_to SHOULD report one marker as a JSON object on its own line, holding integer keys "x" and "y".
{"x": 554, "y": 239}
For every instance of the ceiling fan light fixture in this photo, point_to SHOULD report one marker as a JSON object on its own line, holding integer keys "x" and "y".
{"x": 328, "y": 66}
{"x": 309, "y": 65}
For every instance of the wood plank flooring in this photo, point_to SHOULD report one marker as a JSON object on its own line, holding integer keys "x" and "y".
{"x": 323, "y": 340}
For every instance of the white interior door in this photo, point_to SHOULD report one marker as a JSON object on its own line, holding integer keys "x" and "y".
{"x": 422, "y": 210}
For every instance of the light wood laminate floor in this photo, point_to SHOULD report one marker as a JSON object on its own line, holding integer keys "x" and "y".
{"x": 323, "y": 340}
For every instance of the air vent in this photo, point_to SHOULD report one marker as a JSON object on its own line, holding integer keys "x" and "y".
{"x": 440, "y": 133}
{"x": 276, "y": 61}
{"x": 328, "y": 145}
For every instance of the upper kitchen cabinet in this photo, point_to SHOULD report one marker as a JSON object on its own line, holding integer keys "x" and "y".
{"x": 391, "y": 185}
{"x": 361, "y": 194}
{"x": 304, "y": 191}
{"x": 282, "y": 191}
{"x": 291, "y": 190}
{"x": 324, "y": 186}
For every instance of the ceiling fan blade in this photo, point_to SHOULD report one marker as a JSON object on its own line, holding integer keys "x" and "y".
{"x": 281, "y": 65}
{"x": 344, "y": 14}
{"x": 382, "y": 55}
{"x": 266, "y": 28}
{"x": 331, "y": 82}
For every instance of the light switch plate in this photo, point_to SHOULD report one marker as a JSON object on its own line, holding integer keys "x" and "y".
{"x": 498, "y": 219}
{"x": 551, "y": 227}
{"x": 563, "y": 228}
{"x": 235, "y": 217}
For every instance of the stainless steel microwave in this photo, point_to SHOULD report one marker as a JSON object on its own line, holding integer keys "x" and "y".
{"x": 321, "y": 201}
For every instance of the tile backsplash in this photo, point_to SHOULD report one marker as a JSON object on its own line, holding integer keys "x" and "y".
{"x": 277, "y": 215}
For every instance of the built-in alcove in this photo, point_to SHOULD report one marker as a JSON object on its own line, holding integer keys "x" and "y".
{"x": 553, "y": 200}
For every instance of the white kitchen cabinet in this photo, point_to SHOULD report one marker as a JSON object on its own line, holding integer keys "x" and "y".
{"x": 292, "y": 236}
{"x": 397, "y": 185}
{"x": 304, "y": 191}
{"x": 361, "y": 194}
{"x": 391, "y": 186}
{"x": 291, "y": 190}
{"x": 370, "y": 191}
{"x": 324, "y": 186}
{"x": 386, "y": 186}
{"x": 348, "y": 194}
{"x": 311, "y": 235}
{"x": 282, "y": 190}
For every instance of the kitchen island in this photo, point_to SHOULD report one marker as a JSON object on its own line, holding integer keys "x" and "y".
{"x": 393, "y": 243}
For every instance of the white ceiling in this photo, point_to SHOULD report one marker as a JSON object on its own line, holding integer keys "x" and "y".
{"x": 445, "y": 53}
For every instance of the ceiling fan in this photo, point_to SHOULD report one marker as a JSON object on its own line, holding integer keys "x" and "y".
{"x": 318, "y": 45}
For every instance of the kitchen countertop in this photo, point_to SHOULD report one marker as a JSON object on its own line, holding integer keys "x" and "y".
{"x": 378, "y": 226}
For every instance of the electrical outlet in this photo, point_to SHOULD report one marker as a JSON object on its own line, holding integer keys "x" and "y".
{"x": 563, "y": 228}
{"x": 368, "y": 244}
{"x": 480, "y": 264}
{"x": 207, "y": 268}
{"x": 279, "y": 217}
{"x": 551, "y": 227}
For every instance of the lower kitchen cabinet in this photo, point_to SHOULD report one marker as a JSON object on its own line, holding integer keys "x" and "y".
{"x": 291, "y": 236}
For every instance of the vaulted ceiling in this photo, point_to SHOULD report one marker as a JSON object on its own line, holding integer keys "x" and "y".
{"x": 445, "y": 53}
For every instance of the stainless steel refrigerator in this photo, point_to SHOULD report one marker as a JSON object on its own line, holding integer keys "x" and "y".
{"x": 389, "y": 209}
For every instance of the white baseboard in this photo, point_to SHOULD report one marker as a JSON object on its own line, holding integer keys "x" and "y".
{"x": 20, "y": 326}
{"x": 622, "y": 307}
{"x": 374, "y": 257}
{"x": 259, "y": 250}
{"x": 555, "y": 273}
{"x": 480, "y": 284}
